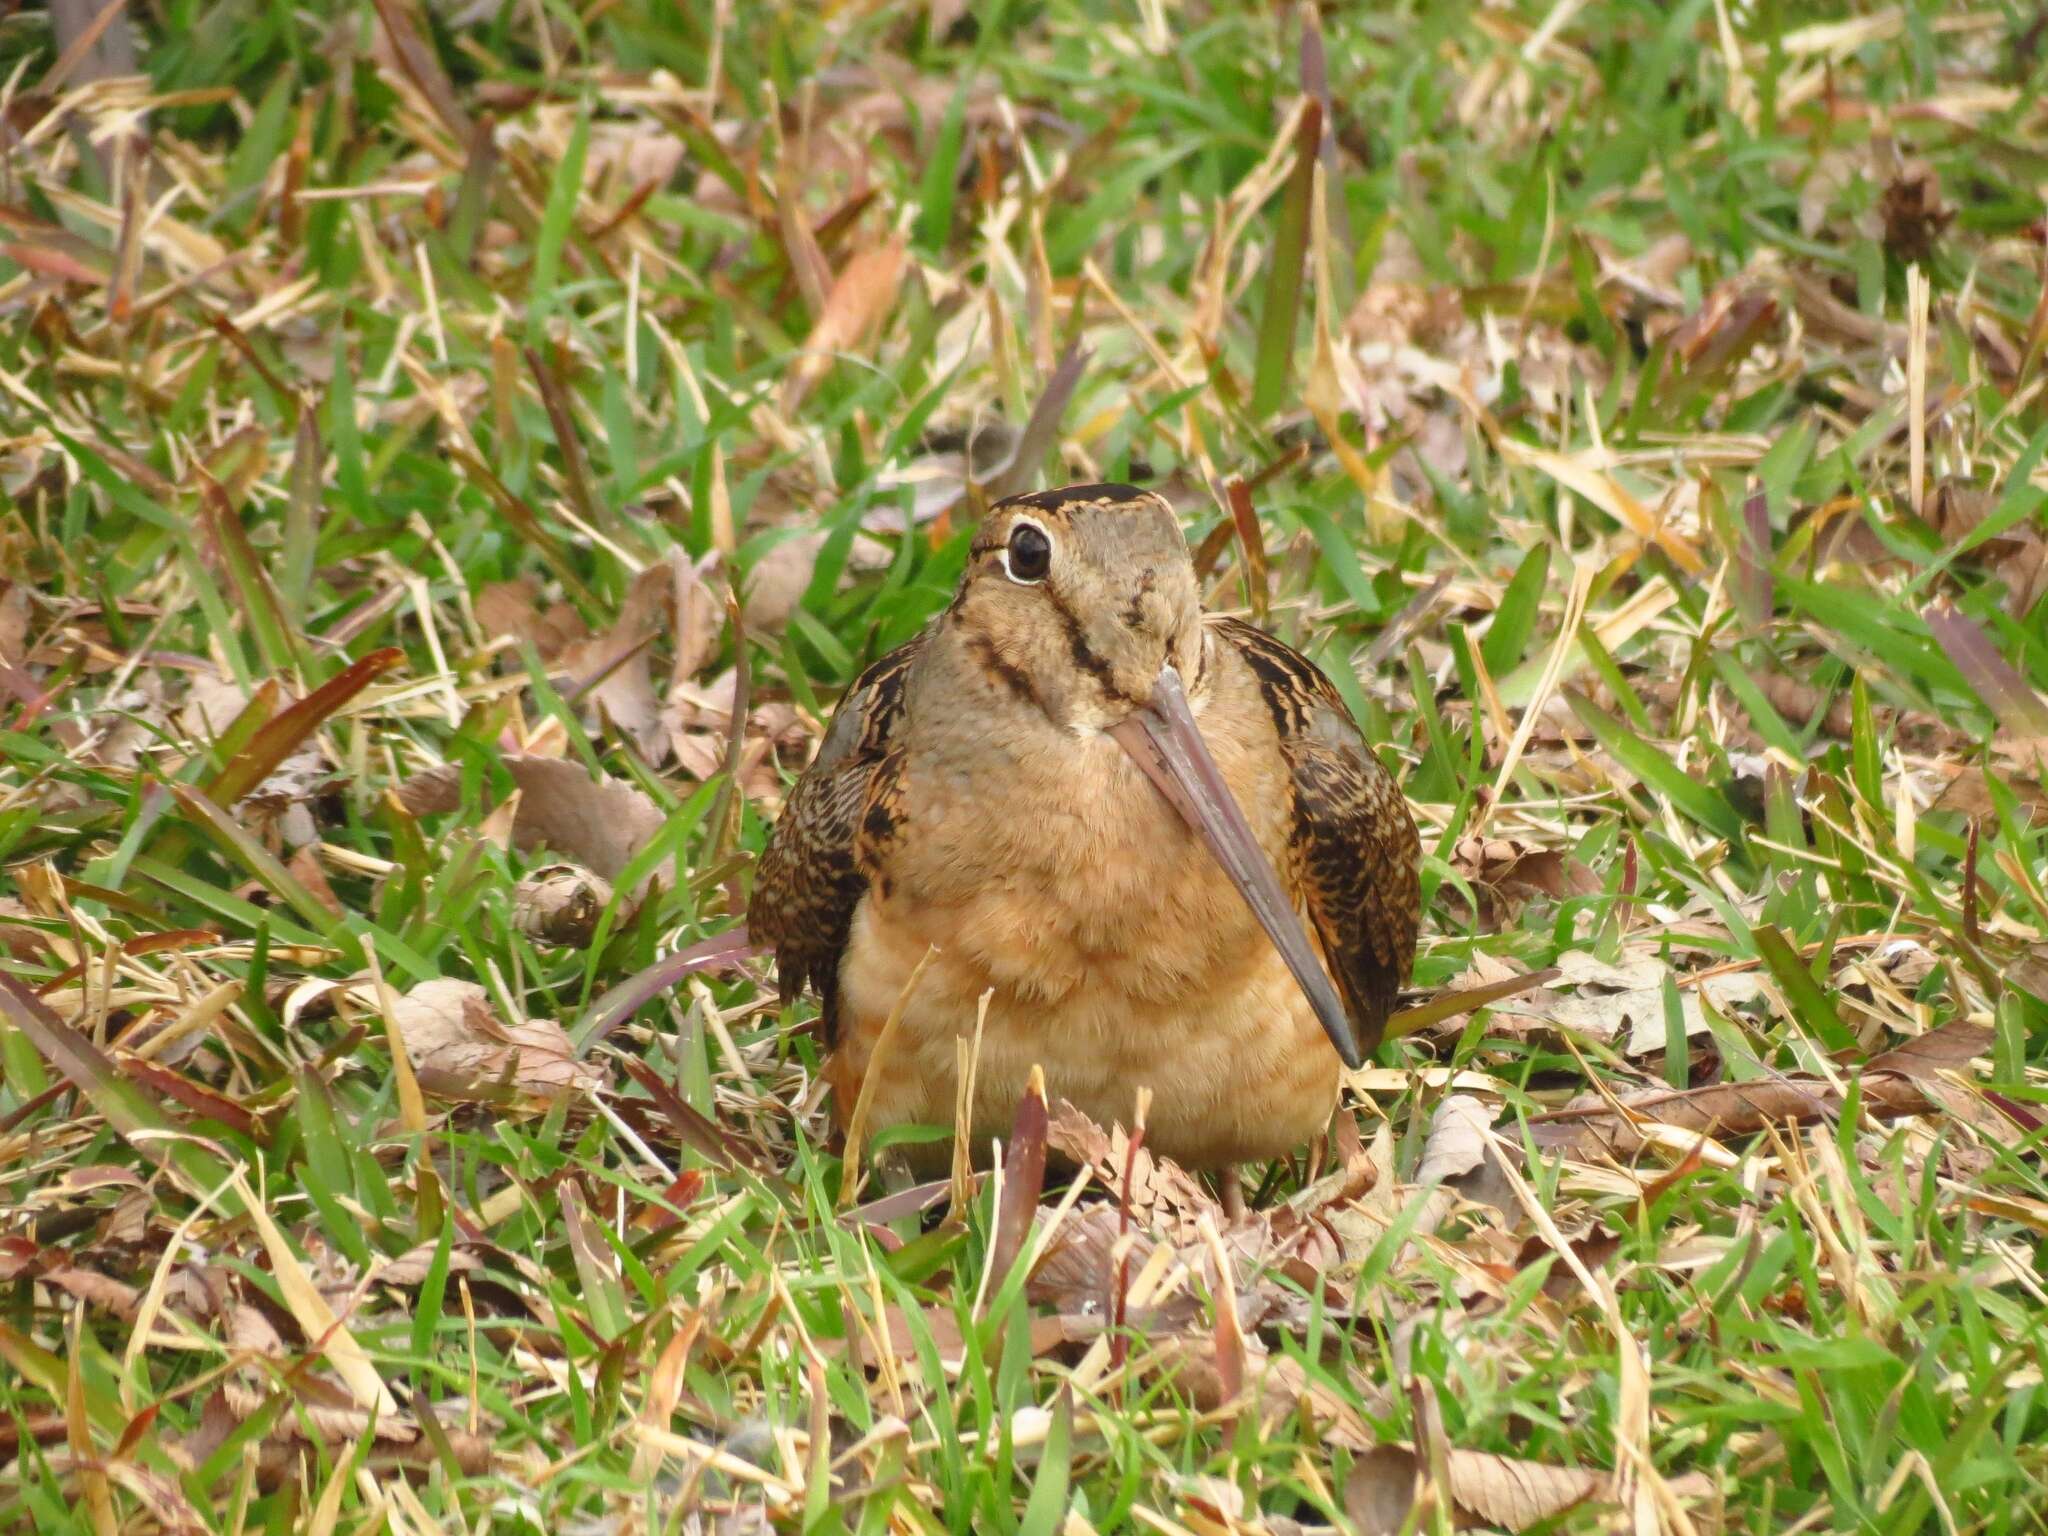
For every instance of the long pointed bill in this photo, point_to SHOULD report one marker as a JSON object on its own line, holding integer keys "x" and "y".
{"x": 1163, "y": 739}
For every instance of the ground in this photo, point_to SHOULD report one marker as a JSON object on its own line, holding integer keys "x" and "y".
{"x": 1636, "y": 408}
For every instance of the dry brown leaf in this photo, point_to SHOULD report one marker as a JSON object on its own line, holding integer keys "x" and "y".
{"x": 250, "y": 1332}
{"x": 1460, "y": 1136}
{"x": 1277, "y": 1384}
{"x": 1898, "y": 1082}
{"x": 776, "y": 582}
{"x": 1625, "y": 1002}
{"x": 1506, "y": 874}
{"x": 861, "y": 297}
{"x": 699, "y": 719}
{"x": 510, "y": 610}
{"x": 1162, "y": 1196}
{"x": 633, "y": 154}
{"x": 1593, "y": 1250}
{"x": 1502, "y": 1492}
{"x": 456, "y": 1041}
{"x": 284, "y": 1455}
{"x": 1458, "y": 1157}
{"x": 129, "y": 722}
{"x": 306, "y": 866}
{"x": 1278, "y": 1256}
{"x": 1913, "y": 213}
{"x": 609, "y": 671}
{"x": 94, "y": 1289}
{"x": 19, "y": 939}
{"x": 412, "y": 1267}
{"x": 1721, "y": 332}
{"x": 2028, "y": 972}
{"x": 82, "y": 1180}
{"x": 600, "y": 823}
{"x": 1968, "y": 790}
{"x": 212, "y": 701}
{"x": 696, "y": 615}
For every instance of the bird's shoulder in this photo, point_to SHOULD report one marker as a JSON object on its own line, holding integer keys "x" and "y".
{"x": 1355, "y": 850}
{"x": 834, "y": 831}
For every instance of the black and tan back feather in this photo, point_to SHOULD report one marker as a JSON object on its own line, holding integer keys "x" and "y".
{"x": 1357, "y": 857}
{"x": 829, "y": 843}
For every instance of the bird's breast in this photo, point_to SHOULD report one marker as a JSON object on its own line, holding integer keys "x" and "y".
{"x": 1056, "y": 869}
{"x": 1051, "y": 877}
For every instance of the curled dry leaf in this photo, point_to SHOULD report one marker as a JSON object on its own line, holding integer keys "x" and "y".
{"x": 128, "y": 723}
{"x": 2029, "y": 971}
{"x": 18, "y": 938}
{"x": 2018, "y": 556}
{"x": 633, "y": 153}
{"x": 212, "y": 701}
{"x": 2019, "y": 763}
{"x": 413, "y": 1266}
{"x": 305, "y": 865}
{"x": 457, "y": 1042}
{"x": 1728, "y": 324}
{"x": 1502, "y": 1492}
{"x": 1460, "y": 1135}
{"x": 783, "y": 524}
{"x": 601, "y": 823}
{"x": 1910, "y": 1079}
{"x": 106, "y": 1293}
{"x": 285, "y": 1455}
{"x": 560, "y": 904}
{"x": 82, "y": 1181}
{"x": 1458, "y": 1157}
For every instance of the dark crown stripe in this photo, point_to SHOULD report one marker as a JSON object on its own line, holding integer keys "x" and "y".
{"x": 1074, "y": 495}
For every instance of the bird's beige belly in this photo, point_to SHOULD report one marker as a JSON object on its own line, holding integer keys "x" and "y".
{"x": 1153, "y": 978}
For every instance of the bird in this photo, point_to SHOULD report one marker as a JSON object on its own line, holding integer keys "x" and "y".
{"x": 1081, "y": 801}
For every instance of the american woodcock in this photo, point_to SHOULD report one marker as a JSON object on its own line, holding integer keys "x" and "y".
{"x": 1110, "y": 811}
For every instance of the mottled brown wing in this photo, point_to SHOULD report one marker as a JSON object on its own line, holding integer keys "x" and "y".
{"x": 1357, "y": 856}
{"x": 832, "y": 835}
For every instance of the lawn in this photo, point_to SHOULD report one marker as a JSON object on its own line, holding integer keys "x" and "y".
{"x": 454, "y": 456}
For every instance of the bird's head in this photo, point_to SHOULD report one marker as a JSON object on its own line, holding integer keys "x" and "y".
{"x": 1083, "y": 603}
{"x": 1084, "y": 594}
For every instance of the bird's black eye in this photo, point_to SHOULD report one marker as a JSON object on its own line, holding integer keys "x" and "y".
{"x": 1030, "y": 553}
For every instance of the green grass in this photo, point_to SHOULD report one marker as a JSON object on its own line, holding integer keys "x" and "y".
{"x": 1572, "y": 374}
